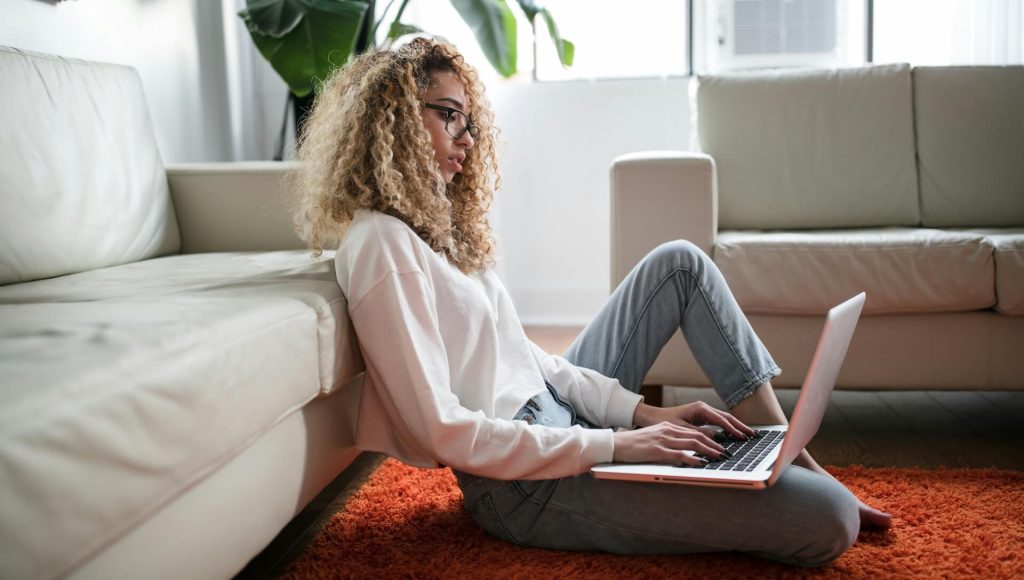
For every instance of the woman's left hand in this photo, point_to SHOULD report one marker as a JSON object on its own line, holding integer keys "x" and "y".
{"x": 696, "y": 414}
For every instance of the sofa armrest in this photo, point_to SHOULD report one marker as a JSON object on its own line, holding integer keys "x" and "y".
{"x": 232, "y": 207}
{"x": 660, "y": 196}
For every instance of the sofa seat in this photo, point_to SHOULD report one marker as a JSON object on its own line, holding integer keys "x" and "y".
{"x": 903, "y": 270}
{"x": 1009, "y": 259}
{"x": 125, "y": 386}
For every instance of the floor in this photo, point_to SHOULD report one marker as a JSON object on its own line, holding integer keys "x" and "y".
{"x": 925, "y": 429}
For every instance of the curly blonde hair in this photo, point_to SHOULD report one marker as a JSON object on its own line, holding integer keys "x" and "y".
{"x": 365, "y": 146}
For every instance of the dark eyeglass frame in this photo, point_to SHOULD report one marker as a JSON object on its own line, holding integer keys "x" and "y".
{"x": 473, "y": 130}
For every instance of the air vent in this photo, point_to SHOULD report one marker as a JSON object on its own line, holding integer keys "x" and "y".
{"x": 766, "y": 27}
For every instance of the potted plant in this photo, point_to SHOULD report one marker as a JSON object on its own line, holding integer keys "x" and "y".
{"x": 304, "y": 40}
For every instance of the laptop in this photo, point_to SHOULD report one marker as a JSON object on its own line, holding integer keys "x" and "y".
{"x": 759, "y": 462}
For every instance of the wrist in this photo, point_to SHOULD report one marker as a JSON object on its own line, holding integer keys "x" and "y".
{"x": 644, "y": 415}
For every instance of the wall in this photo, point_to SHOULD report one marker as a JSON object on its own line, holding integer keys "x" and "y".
{"x": 176, "y": 45}
{"x": 552, "y": 214}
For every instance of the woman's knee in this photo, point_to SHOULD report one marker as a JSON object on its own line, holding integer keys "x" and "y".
{"x": 835, "y": 523}
{"x": 814, "y": 519}
{"x": 678, "y": 254}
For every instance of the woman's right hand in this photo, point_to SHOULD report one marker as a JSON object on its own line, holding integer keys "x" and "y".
{"x": 665, "y": 443}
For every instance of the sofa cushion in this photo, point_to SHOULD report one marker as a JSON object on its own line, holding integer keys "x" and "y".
{"x": 1009, "y": 271}
{"x": 292, "y": 275}
{"x": 811, "y": 149}
{"x": 1009, "y": 258}
{"x": 82, "y": 185}
{"x": 151, "y": 375}
{"x": 902, "y": 270}
{"x": 970, "y": 145}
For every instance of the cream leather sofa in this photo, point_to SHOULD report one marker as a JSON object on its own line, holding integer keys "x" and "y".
{"x": 177, "y": 375}
{"x": 812, "y": 186}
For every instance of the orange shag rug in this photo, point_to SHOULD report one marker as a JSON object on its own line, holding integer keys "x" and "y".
{"x": 409, "y": 522}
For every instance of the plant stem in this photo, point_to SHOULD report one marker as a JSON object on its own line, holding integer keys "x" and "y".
{"x": 364, "y": 39}
{"x": 533, "y": 29}
{"x": 401, "y": 9}
{"x": 373, "y": 32}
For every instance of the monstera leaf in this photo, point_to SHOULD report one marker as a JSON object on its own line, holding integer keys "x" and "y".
{"x": 275, "y": 17}
{"x": 305, "y": 39}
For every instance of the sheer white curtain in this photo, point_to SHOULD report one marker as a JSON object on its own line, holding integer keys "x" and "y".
{"x": 256, "y": 94}
{"x": 949, "y": 32}
{"x": 993, "y": 32}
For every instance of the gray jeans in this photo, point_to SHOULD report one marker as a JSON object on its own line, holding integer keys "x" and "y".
{"x": 805, "y": 518}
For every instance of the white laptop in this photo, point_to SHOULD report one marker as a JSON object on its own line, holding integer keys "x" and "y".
{"x": 758, "y": 463}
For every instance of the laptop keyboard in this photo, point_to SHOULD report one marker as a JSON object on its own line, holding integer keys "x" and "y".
{"x": 746, "y": 454}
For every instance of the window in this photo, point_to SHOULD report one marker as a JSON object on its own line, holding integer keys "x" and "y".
{"x": 642, "y": 38}
{"x": 750, "y": 34}
{"x": 655, "y": 38}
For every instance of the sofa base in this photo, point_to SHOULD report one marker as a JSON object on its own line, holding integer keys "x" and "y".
{"x": 214, "y": 528}
{"x": 969, "y": 350}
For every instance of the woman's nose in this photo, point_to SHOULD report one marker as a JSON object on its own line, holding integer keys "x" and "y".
{"x": 466, "y": 140}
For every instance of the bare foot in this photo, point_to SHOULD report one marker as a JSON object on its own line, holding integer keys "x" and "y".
{"x": 870, "y": 518}
{"x": 762, "y": 408}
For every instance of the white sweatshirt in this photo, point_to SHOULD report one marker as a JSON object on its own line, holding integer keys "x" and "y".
{"x": 448, "y": 365}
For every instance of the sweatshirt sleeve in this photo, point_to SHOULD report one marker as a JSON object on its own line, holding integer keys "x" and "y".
{"x": 399, "y": 334}
{"x": 600, "y": 399}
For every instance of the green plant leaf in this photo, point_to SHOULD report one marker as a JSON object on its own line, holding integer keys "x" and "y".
{"x": 530, "y": 8}
{"x": 566, "y": 50}
{"x": 275, "y": 17}
{"x": 398, "y": 29}
{"x": 494, "y": 26}
{"x": 324, "y": 38}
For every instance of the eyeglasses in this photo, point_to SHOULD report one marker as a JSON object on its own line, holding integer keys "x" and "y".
{"x": 456, "y": 123}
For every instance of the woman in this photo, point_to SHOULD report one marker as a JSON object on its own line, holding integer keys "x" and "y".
{"x": 399, "y": 165}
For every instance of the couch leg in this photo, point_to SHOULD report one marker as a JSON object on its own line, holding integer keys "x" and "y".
{"x": 652, "y": 394}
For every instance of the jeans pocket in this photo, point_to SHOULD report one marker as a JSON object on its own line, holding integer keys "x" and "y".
{"x": 527, "y": 488}
{"x": 485, "y": 515}
{"x": 536, "y": 492}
